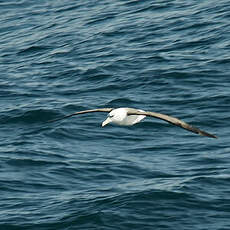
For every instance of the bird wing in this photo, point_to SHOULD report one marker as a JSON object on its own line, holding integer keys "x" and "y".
{"x": 174, "y": 121}
{"x": 82, "y": 112}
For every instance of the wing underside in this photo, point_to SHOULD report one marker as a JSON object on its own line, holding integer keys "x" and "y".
{"x": 174, "y": 121}
{"x": 107, "y": 110}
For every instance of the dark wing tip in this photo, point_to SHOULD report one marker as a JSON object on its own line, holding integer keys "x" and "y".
{"x": 60, "y": 118}
{"x": 202, "y": 133}
{"x": 196, "y": 130}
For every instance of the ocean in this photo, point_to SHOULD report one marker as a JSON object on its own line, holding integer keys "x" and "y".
{"x": 60, "y": 57}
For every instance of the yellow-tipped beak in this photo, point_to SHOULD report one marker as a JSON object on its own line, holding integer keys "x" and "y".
{"x": 106, "y": 122}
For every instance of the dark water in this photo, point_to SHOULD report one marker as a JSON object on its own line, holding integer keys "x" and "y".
{"x": 58, "y": 57}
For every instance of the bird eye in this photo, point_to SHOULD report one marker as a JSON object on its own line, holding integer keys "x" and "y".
{"x": 110, "y": 115}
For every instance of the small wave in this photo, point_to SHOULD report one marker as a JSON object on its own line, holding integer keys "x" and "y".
{"x": 121, "y": 102}
{"x": 28, "y": 162}
{"x": 101, "y": 19}
{"x": 68, "y": 8}
{"x": 29, "y": 117}
{"x": 33, "y": 50}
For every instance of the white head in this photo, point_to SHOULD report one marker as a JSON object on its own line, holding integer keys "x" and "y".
{"x": 116, "y": 116}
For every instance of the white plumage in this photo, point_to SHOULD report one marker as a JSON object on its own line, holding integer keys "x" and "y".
{"x": 119, "y": 116}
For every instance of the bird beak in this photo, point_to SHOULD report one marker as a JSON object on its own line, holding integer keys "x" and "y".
{"x": 105, "y": 122}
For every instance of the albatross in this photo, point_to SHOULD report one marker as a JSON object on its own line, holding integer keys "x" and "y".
{"x": 131, "y": 116}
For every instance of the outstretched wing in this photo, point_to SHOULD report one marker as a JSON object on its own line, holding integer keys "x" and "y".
{"x": 107, "y": 110}
{"x": 174, "y": 121}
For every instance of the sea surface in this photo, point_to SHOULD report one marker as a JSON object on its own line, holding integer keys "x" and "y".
{"x": 60, "y": 57}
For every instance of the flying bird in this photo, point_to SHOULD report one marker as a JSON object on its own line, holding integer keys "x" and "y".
{"x": 131, "y": 116}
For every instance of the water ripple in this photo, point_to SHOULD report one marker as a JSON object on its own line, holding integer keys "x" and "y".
{"x": 60, "y": 57}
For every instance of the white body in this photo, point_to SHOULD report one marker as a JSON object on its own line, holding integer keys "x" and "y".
{"x": 119, "y": 116}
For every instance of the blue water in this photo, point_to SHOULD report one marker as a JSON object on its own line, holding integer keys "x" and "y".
{"x": 59, "y": 57}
